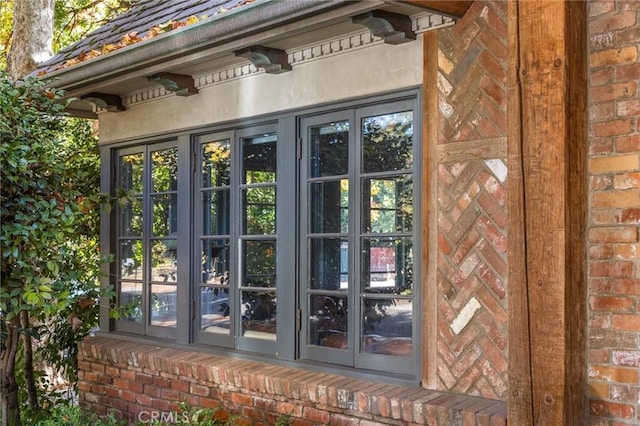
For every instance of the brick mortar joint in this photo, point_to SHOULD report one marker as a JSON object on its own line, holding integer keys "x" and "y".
{"x": 309, "y": 393}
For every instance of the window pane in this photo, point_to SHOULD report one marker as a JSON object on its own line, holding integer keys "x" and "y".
{"x": 215, "y": 262}
{"x": 329, "y": 149}
{"x": 131, "y": 173}
{"x": 387, "y": 204}
{"x": 387, "y": 265}
{"x": 216, "y": 163}
{"x": 329, "y": 263}
{"x": 259, "y": 159}
{"x": 258, "y": 310}
{"x": 164, "y": 170}
{"x": 165, "y": 215}
{"x": 259, "y": 261}
{"x": 329, "y": 206}
{"x": 164, "y": 261}
{"x": 214, "y": 310}
{"x": 387, "y": 327}
{"x": 328, "y": 321}
{"x": 130, "y": 256}
{"x": 387, "y": 142}
{"x": 215, "y": 214}
{"x": 131, "y": 218}
{"x": 163, "y": 305}
{"x": 130, "y": 301}
{"x": 259, "y": 210}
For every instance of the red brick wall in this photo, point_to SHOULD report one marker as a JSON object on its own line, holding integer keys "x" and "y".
{"x": 471, "y": 261}
{"x": 614, "y": 221}
{"x": 138, "y": 381}
{"x": 471, "y": 209}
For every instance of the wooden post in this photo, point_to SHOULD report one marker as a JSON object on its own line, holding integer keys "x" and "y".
{"x": 429, "y": 221}
{"x": 547, "y": 190}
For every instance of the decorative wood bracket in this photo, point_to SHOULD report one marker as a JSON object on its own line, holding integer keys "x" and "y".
{"x": 181, "y": 84}
{"x": 112, "y": 103}
{"x": 274, "y": 61}
{"x": 393, "y": 28}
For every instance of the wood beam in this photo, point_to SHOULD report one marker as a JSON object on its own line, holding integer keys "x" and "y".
{"x": 393, "y": 28}
{"x": 455, "y": 8}
{"x": 547, "y": 211}
{"x": 273, "y": 61}
{"x": 180, "y": 84}
{"x": 429, "y": 214}
{"x": 105, "y": 101}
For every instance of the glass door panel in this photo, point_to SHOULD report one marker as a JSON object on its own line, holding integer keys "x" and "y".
{"x": 326, "y": 299}
{"x": 163, "y": 241}
{"x": 386, "y": 217}
{"x": 257, "y": 240}
{"x": 213, "y": 213}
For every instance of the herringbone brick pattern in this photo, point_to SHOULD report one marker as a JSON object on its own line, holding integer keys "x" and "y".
{"x": 471, "y": 279}
{"x": 472, "y": 77}
{"x": 472, "y": 217}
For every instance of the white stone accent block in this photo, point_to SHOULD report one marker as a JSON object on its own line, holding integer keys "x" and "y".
{"x": 465, "y": 315}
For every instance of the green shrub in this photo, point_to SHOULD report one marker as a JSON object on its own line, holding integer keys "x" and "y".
{"x": 72, "y": 415}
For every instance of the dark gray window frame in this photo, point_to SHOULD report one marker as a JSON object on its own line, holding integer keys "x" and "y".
{"x": 288, "y": 290}
{"x": 183, "y": 275}
{"x": 352, "y": 356}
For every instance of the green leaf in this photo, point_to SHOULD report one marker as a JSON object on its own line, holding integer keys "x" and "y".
{"x": 32, "y": 299}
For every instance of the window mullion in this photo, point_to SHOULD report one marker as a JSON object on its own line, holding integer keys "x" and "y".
{"x": 355, "y": 172}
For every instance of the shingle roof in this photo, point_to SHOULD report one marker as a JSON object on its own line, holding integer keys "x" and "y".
{"x": 140, "y": 19}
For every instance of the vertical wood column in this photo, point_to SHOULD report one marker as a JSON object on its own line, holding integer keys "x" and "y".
{"x": 429, "y": 219}
{"x": 547, "y": 212}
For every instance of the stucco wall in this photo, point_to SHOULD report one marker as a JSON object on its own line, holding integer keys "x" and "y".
{"x": 370, "y": 69}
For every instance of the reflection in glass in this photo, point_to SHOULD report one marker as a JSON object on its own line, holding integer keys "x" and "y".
{"x": 329, "y": 206}
{"x": 258, "y": 310}
{"x": 163, "y": 305}
{"x": 216, "y": 163}
{"x": 164, "y": 261}
{"x": 215, "y": 262}
{"x": 387, "y": 327}
{"x": 329, "y": 263}
{"x": 328, "y": 321}
{"x": 131, "y": 173}
{"x": 387, "y": 265}
{"x": 259, "y": 210}
{"x": 259, "y": 159}
{"x": 215, "y": 215}
{"x": 387, "y": 142}
{"x": 131, "y": 218}
{"x": 215, "y": 310}
{"x": 130, "y": 256}
{"x": 164, "y": 170}
{"x": 329, "y": 149}
{"x": 165, "y": 215}
{"x": 259, "y": 263}
{"x": 130, "y": 302}
{"x": 387, "y": 204}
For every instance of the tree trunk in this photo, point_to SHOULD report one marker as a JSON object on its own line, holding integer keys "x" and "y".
{"x": 10, "y": 404}
{"x": 27, "y": 348}
{"x": 32, "y": 39}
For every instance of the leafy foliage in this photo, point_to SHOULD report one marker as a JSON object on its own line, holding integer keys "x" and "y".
{"x": 72, "y": 415}
{"x": 49, "y": 208}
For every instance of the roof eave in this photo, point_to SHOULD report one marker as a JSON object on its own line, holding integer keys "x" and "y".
{"x": 215, "y": 31}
